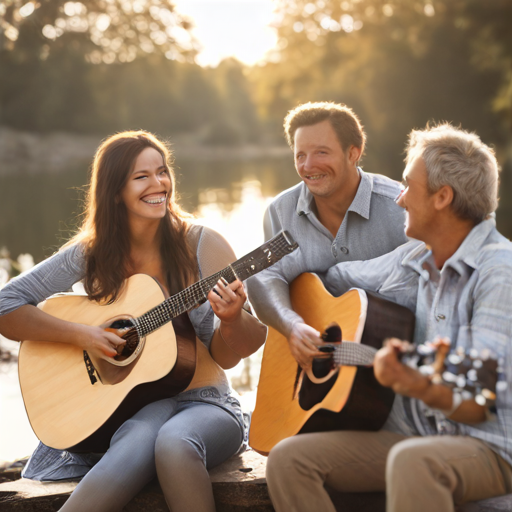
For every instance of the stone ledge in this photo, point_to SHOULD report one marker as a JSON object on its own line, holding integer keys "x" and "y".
{"x": 239, "y": 485}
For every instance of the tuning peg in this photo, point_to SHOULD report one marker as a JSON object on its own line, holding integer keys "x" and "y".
{"x": 454, "y": 359}
{"x": 472, "y": 375}
{"x": 449, "y": 377}
{"x": 461, "y": 381}
{"x": 480, "y": 400}
{"x": 466, "y": 395}
{"x": 424, "y": 350}
{"x": 501, "y": 386}
{"x": 426, "y": 370}
{"x": 473, "y": 353}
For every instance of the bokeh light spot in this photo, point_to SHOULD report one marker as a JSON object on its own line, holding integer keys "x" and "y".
{"x": 27, "y": 9}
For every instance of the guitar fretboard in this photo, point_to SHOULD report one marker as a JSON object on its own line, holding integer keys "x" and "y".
{"x": 257, "y": 260}
{"x": 354, "y": 354}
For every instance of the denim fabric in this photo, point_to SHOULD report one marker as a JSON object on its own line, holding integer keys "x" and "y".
{"x": 221, "y": 398}
{"x": 174, "y": 441}
{"x": 48, "y": 464}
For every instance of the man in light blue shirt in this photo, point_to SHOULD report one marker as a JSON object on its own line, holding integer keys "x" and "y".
{"x": 436, "y": 448}
{"x": 337, "y": 213}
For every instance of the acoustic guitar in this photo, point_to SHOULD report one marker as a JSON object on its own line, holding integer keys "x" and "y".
{"x": 341, "y": 392}
{"x": 76, "y": 402}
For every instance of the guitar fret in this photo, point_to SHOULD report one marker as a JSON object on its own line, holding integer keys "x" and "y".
{"x": 354, "y": 354}
{"x": 203, "y": 293}
{"x": 185, "y": 300}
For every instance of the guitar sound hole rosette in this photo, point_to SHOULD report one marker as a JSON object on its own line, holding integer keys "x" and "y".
{"x": 124, "y": 326}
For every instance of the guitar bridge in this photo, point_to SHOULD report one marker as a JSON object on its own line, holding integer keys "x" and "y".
{"x": 90, "y": 368}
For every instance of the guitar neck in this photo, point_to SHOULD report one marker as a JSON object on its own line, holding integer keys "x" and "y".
{"x": 353, "y": 354}
{"x": 475, "y": 374}
{"x": 252, "y": 263}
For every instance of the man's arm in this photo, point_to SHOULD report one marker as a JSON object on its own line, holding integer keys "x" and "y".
{"x": 384, "y": 275}
{"x": 490, "y": 328}
{"x": 269, "y": 293}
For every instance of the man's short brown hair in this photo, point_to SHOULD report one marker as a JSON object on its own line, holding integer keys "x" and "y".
{"x": 344, "y": 121}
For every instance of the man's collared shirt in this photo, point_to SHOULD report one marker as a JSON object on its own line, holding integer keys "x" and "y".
{"x": 373, "y": 225}
{"x": 469, "y": 300}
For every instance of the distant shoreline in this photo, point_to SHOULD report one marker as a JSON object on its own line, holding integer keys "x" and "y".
{"x": 31, "y": 153}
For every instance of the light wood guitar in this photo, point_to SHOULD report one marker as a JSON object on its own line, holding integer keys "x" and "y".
{"x": 350, "y": 397}
{"x": 76, "y": 402}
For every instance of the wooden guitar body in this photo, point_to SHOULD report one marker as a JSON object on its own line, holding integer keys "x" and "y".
{"x": 67, "y": 411}
{"x": 77, "y": 402}
{"x": 350, "y": 400}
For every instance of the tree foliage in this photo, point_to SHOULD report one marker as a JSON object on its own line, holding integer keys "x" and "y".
{"x": 398, "y": 63}
{"x": 102, "y": 30}
{"x": 108, "y": 65}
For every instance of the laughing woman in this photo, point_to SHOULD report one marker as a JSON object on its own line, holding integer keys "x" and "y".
{"x": 134, "y": 226}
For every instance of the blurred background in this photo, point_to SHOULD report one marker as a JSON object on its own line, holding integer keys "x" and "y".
{"x": 216, "y": 78}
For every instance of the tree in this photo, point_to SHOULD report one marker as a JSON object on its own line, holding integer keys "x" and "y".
{"x": 103, "y": 30}
{"x": 399, "y": 63}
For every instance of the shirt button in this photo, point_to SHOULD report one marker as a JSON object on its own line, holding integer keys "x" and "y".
{"x": 440, "y": 317}
{"x": 344, "y": 250}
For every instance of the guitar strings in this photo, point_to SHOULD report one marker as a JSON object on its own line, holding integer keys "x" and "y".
{"x": 354, "y": 354}
{"x": 196, "y": 293}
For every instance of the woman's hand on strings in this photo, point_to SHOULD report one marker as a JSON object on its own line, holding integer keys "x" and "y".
{"x": 100, "y": 343}
{"x": 227, "y": 300}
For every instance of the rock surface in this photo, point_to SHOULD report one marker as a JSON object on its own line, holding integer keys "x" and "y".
{"x": 239, "y": 485}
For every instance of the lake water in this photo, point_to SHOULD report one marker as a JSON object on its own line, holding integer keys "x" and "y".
{"x": 38, "y": 212}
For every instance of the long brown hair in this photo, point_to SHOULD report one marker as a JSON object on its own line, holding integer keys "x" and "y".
{"x": 104, "y": 231}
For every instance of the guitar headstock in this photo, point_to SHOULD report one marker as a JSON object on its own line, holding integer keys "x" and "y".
{"x": 471, "y": 373}
{"x": 265, "y": 255}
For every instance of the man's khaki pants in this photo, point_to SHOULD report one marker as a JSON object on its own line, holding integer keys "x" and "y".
{"x": 419, "y": 474}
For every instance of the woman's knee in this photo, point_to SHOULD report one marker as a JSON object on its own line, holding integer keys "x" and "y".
{"x": 139, "y": 431}
{"x": 175, "y": 449}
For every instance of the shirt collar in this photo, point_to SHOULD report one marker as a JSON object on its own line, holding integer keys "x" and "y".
{"x": 421, "y": 256}
{"x": 470, "y": 248}
{"x": 305, "y": 201}
{"x": 417, "y": 257}
{"x": 362, "y": 200}
{"x": 360, "y": 204}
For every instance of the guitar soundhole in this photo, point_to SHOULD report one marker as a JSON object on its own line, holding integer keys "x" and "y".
{"x": 322, "y": 367}
{"x": 129, "y": 333}
{"x": 310, "y": 393}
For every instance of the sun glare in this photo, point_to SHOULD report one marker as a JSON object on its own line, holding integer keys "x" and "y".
{"x": 231, "y": 28}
